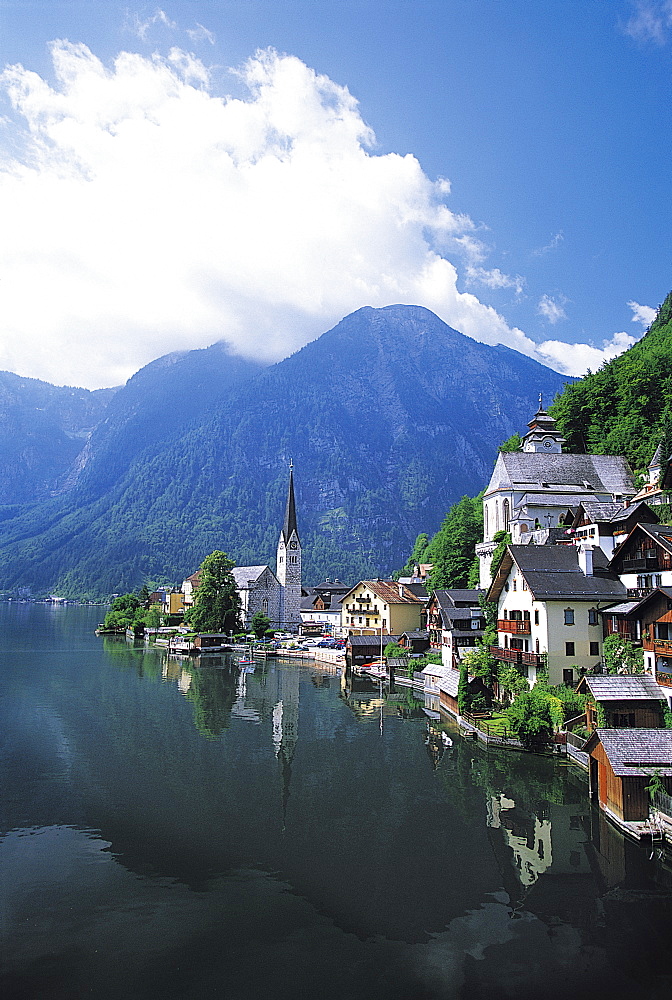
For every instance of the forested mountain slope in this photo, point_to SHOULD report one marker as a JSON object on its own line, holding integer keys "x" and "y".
{"x": 389, "y": 418}
{"x": 626, "y": 406}
{"x": 43, "y": 428}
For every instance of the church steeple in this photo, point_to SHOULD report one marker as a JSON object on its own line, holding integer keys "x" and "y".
{"x": 543, "y": 435}
{"x": 290, "y": 509}
{"x": 288, "y": 562}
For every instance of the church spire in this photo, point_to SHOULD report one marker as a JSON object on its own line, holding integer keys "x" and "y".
{"x": 290, "y": 508}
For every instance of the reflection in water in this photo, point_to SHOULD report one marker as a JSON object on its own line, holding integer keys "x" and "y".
{"x": 182, "y": 829}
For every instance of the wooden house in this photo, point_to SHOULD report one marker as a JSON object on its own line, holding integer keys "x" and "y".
{"x": 455, "y": 623}
{"x": 622, "y": 764}
{"x": 647, "y": 622}
{"x": 632, "y": 701}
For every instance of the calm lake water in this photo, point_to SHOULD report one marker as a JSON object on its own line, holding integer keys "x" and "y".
{"x": 179, "y": 831}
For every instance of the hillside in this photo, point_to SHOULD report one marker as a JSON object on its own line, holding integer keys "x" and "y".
{"x": 389, "y": 418}
{"x": 624, "y": 408}
{"x": 43, "y": 428}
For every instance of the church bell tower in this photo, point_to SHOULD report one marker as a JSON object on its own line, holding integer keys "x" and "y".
{"x": 288, "y": 563}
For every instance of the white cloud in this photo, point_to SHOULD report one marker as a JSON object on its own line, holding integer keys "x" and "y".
{"x": 201, "y": 34}
{"x": 145, "y": 214}
{"x": 142, "y": 28}
{"x": 577, "y": 359}
{"x": 552, "y": 310}
{"x": 642, "y": 314}
{"x": 650, "y": 21}
{"x": 553, "y": 244}
{"x": 494, "y": 278}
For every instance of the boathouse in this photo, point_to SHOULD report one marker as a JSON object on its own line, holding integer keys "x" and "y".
{"x": 622, "y": 701}
{"x": 623, "y": 763}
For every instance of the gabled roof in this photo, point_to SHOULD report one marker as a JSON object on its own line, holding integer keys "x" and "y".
{"x": 389, "y": 591}
{"x": 581, "y": 474}
{"x": 659, "y": 533}
{"x": 635, "y": 752}
{"x": 552, "y": 573}
{"x": 245, "y": 575}
{"x": 621, "y": 687}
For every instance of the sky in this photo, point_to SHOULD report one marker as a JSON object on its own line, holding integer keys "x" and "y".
{"x": 254, "y": 170}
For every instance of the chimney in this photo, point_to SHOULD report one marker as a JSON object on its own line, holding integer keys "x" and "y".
{"x": 586, "y": 559}
{"x": 401, "y": 589}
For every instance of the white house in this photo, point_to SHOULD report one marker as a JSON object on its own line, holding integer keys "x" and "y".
{"x": 548, "y": 603}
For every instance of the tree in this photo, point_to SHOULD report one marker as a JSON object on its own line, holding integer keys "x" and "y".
{"x": 514, "y": 443}
{"x": 530, "y": 715}
{"x": 621, "y": 657}
{"x": 463, "y": 693}
{"x": 216, "y": 607}
{"x": 503, "y": 538}
{"x": 451, "y": 550}
{"x": 123, "y": 611}
{"x": 416, "y": 557}
{"x": 260, "y": 624}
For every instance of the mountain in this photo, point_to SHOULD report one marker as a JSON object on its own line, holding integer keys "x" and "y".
{"x": 625, "y": 408}
{"x": 43, "y": 429}
{"x": 388, "y": 418}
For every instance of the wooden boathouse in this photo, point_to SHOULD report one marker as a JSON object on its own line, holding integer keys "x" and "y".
{"x": 622, "y": 765}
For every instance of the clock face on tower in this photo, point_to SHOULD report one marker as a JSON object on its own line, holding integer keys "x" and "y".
{"x": 292, "y": 545}
{"x": 548, "y": 444}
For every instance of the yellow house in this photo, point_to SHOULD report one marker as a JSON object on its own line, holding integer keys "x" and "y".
{"x": 375, "y": 605}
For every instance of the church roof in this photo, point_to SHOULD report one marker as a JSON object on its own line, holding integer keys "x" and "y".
{"x": 580, "y": 474}
{"x": 245, "y": 575}
{"x": 289, "y": 524}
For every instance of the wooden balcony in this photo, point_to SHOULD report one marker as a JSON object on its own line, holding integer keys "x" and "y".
{"x": 513, "y": 626}
{"x": 660, "y": 647}
{"x": 665, "y": 680}
{"x": 639, "y": 565}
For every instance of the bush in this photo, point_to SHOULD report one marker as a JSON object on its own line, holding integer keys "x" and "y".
{"x": 530, "y": 715}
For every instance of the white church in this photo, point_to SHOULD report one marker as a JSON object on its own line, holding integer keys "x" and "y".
{"x": 534, "y": 493}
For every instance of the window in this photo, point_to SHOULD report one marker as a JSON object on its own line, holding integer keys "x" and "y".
{"x": 568, "y": 678}
{"x": 569, "y": 649}
{"x": 536, "y": 617}
{"x": 594, "y": 649}
{"x": 569, "y": 616}
{"x": 592, "y": 616}
{"x": 624, "y": 720}
{"x": 515, "y": 584}
{"x": 505, "y": 513}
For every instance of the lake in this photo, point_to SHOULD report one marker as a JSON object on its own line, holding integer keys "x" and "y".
{"x": 170, "y": 829}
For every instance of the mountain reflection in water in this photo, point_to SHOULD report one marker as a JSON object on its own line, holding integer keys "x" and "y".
{"x": 187, "y": 830}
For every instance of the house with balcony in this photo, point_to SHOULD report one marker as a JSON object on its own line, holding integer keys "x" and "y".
{"x": 539, "y": 489}
{"x": 455, "y": 623}
{"x": 647, "y": 622}
{"x": 623, "y": 701}
{"x": 548, "y": 603}
{"x": 383, "y": 607}
{"x": 608, "y": 524}
{"x": 644, "y": 559}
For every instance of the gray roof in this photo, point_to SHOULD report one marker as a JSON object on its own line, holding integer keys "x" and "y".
{"x": 552, "y": 572}
{"x": 371, "y": 640}
{"x": 620, "y": 609}
{"x": 550, "y": 499}
{"x": 596, "y": 511}
{"x": 449, "y": 682}
{"x": 244, "y": 575}
{"x": 634, "y": 752}
{"x": 604, "y": 473}
{"x": 470, "y": 597}
{"x": 631, "y": 687}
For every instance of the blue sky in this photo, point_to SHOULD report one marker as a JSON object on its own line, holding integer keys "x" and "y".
{"x": 253, "y": 171}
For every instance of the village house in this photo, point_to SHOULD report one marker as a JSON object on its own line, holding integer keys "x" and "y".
{"x": 540, "y": 488}
{"x": 608, "y": 524}
{"x": 622, "y": 701}
{"x": 644, "y": 560}
{"x": 321, "y": 605}
{"x": 647, "y": 622}
{"x": 455, "y": 623}
{"x": 382, "y": 606}
{"x": 548, "y": 602}
{"x": 657, "y": 488}
{"x": 622, "y": 765}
